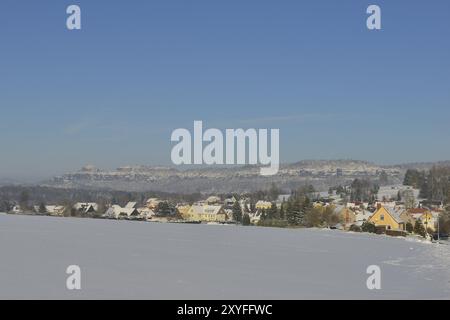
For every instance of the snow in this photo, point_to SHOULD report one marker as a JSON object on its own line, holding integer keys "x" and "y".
{"x": 140, "y": 260}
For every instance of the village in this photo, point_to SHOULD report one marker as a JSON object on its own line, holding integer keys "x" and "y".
{"x": 395, "y": 210}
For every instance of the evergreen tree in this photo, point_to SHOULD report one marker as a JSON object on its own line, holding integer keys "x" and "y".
{"x": 274, "y": 192}
{"x": 272, "y": 213}
{"x": 24, "y": 199}
{"x": 414, "y": 178}
{"x": 419, "y": 228}
{"x": 42, "y": 208}
{"x": 246, "y": 219}
{"x": 246, "y": 207}
{"x": 368, "y": 227}
{"x": 409, "y": 227}
{"x": 282, "y": 211}
{"x": 237, "y": 212}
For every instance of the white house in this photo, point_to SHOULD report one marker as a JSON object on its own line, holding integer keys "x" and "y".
{"x": 117, "y": 212}
{"x": 145, "y": 213}
{"x": 362, "y": 216}
{"x": 16, "y": 209}
{"x": 86, "y": 207}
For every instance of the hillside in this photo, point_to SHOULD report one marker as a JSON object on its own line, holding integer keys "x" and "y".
{"x": 320, "y": 174}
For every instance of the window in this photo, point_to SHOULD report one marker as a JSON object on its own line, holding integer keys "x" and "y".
{"x": 382, "y": 217}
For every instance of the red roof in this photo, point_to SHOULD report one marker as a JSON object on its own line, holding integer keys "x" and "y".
{"x": 418, "y": 210}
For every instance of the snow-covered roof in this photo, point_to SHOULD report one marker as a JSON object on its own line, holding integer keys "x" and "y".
{"x": 283, "y": 197}
{"x": 205, "y": 209}
{"x": 85, "y": 205}
{"x": 118, "y": 210}
{"x": 130, "y": 205}
{"x": 395, "y": 213}
{"x": 363, "y": 215}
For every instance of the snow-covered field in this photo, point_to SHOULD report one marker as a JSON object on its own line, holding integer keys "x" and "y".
{"x": 120, "y": 259}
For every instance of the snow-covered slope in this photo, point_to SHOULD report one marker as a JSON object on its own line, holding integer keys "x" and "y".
{"x": 140, "y": 260}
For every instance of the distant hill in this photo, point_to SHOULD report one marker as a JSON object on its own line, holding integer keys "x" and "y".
{"x": 320, "y": 173}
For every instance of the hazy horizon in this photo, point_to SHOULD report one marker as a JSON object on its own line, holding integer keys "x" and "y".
{"x": 41, "y": 178}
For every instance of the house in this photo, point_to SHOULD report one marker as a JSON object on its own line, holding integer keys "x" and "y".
{"x": 206, "y": 213}
{"x": 86, "y": 207}
{"x": 183, "y": 211}
{"x": 263, "y": 205}
{"x": 430, "y": 220}
{"x": 386, "y": 204}
{"x": 229, "y": 202}
{"x": 16, "y": 209}
{"x": 146, "y": 213}
{"x": 117, "y": 212}
{"x": 213, "y": 200}
{"x": 417, "y": 213}
{"x": 52, "y": 210}
{"x": 346, "y": 215}
{"x": 357, "y": 205}
{"x": 362, "y": 216}
{"x": 255, "y": 217}
{"x": 152, "y": 203}
{"x": 388, "y": 217}
{"x": 130, "y": 205}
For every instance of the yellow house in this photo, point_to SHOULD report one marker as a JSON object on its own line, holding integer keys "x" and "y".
{"x": 206, "y": 213}
{"x": 263, "y": 205}
{"x": 428, "y": 220}
{"x": 387, "y": 217}
{"x": 183, "y": 210}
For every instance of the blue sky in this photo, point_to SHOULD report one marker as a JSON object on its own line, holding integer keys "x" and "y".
{"x": 112, "y": 93}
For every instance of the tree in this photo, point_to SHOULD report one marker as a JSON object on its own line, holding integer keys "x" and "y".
{"x": 42, "y": 208}
{"x": 408, "y": 199}
{"x": 294, "y": 213}
{"x": 237, "y": 212}
{"x": 282, "y": 210}
{"x": 383, "y": 178}
{"x": 409, "y": 227}
{"x": 313, "y": 217}
{"x": 329, "y": 218}
{"x": 24, "y": 199}
{"x": 419, "y": 228}
{"x": 414, "y": 178}
{"x": 5, "y": 206}
{"x": 272, "y": 213}
{"x": 246, "y": 207}
{"x": 274, "y": 192}
{"x": 163, "y": 208}
{"x": 355, "y": 228}
{"x": 368, "y": 227}
{"x": 246, "y": 220}
{"x": 363, "y": 190}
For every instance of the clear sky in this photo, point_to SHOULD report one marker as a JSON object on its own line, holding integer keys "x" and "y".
{"x": 112, "y": 93}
